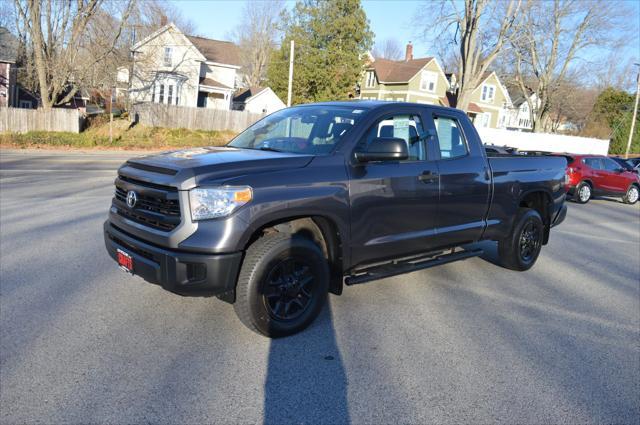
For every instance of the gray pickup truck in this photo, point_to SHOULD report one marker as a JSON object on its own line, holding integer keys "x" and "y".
{"x": 315, "y": 197}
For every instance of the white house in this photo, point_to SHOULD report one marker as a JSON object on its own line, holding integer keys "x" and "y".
{"x": 258, "y": 100}
{"x": 177, "y": 69}
{"x": 519, "y": 117}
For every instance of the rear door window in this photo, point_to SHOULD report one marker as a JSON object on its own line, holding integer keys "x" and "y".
{"x": 451, "y": 141}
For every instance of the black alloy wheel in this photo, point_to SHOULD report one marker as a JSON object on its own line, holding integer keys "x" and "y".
{"x": 521, "y": 248}
{"x": 529, "y": 241}
{"x": 288, "y": 289}
{"x": 283, "y": 284}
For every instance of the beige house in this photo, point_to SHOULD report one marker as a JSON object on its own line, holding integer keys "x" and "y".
{"x": 177, "y": 69}
{"x": 490, "y": 103}
{"x": 418, "y": 80}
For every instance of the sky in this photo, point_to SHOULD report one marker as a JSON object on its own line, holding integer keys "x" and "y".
{"x": 388, "y": 19}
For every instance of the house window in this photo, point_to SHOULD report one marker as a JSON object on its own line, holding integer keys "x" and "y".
{"x": 25, "y": 104}
{"x": 161, "y": 95}
{"x": 428, "y": 81}
{"x": 169, "y": 94}
{"x": 488, "y": 93}
{"x": 484, "y": 119}
{"x": 371, "y": 79}
{"x": 167, "y": 56}
{"x": 153, "y": 93}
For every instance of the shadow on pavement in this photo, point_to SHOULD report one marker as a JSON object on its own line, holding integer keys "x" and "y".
{"x": 306, "y": 380}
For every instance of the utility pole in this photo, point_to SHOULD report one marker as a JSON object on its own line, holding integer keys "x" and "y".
{"x": 635, "y": 113}
{"x": 111, "y": 116}
{"x": 290, "y": 73}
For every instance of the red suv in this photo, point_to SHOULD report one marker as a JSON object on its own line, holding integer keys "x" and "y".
{"x": 589, "y": 175}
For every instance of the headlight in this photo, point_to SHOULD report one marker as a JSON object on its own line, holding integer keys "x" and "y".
{"x": 217, "y": 202}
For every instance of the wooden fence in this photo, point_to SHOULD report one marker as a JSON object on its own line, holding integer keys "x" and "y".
{"x": 158, "y": 115}
{"x": 18, "y": 120}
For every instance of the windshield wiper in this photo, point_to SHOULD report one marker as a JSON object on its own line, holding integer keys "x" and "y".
{"x": 270, "y": 149}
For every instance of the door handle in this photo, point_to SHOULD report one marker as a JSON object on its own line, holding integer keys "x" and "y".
{"x": 428, "y": 176}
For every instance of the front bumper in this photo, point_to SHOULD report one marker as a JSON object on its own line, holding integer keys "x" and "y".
{"x": 179, "y": 272}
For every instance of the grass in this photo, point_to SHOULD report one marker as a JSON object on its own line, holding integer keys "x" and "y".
{"x": 124, "y": 138}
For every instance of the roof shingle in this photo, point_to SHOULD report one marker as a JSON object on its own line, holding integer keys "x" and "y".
{"x": 389, "y": 71}
{"x": 8, "y": 46}
{"x": 213, "y": 83}
{"x": 219, "y": 51}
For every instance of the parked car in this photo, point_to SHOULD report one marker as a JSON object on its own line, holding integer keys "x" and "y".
{"x": 624, "y": 163}
{"x": 589, "y": 175}
{"x": 634, "y": 162}
{"x": 316, "y": 196}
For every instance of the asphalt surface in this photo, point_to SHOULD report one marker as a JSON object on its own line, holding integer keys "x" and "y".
{"x": 468, "y": 342}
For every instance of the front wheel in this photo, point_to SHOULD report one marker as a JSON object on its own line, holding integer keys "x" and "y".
{"x": 520, "y": 250}
{"x": 631, "y": 197}
{"x": 283, "y": 284}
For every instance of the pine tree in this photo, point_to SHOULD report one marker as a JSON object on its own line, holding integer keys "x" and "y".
{"x": 614, "y": 110}
{"x": 331, "y": 41}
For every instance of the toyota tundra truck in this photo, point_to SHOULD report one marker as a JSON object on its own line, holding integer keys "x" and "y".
{"x": 315, "y": 197}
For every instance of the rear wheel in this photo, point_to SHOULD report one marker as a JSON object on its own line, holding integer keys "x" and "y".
{"x": 583, "y": 193}
{"x": 521, "y": 249}
{"x": 631, "y": 197}
{"x": 282, "y": 286}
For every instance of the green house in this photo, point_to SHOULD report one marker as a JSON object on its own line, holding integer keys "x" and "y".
{"x": 419, "y": 80}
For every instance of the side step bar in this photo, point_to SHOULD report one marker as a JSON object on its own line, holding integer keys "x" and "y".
{"x": 407, "y": 266}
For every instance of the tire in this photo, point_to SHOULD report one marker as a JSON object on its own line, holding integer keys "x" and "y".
{"x": 282, "y": 286}
{"x": 583, "y": 193}
{"x": 632, "y": 195}
{"x": 521, "y": 249}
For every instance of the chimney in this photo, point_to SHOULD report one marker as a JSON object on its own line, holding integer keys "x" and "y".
{"x": 409, "y": 52}
{"x": 163, "y": 20}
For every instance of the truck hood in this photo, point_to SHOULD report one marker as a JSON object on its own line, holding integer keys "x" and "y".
{"x": 209, "y": 164}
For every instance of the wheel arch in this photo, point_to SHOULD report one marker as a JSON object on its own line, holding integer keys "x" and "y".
{"x": 322, "y": 230}
{"x": 587, "y": 181}
{"x": 542, "y": 202}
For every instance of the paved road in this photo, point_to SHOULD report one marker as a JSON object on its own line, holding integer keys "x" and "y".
{"x": 467, "y": 342}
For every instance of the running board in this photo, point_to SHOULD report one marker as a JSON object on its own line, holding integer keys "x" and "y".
{"x": 407, "y": 266}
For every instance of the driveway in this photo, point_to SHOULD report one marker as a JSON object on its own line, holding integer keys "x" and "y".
{"x": 80, "y": 341}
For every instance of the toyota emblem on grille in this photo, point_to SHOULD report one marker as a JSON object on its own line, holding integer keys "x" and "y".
{"x": 132, "y": 198}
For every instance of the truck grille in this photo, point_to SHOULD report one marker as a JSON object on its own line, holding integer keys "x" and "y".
{"x": 157, "y": 206}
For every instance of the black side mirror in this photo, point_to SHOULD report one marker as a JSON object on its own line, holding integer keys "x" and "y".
{"x": 384, "y": 149}
{"x": 619, "y": 170}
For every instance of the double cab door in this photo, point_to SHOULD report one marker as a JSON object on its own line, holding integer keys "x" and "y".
{"x": 437, "y": 197}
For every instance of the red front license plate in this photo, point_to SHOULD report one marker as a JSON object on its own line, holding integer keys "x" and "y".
{"x": 125, "y": 261}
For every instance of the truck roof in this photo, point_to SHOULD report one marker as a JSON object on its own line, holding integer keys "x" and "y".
{"x": 373, "y": 104}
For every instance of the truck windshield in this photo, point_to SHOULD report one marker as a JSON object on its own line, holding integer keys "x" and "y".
{"x": 303, "y": 129}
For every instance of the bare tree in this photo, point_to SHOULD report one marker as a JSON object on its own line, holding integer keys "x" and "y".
{"x": 257, "y": 36}
{"x": 59, "y": 36}
{"x": 478, "y": 32}
{"x": 149, "y": 15}
{"x": 550, "y": 38}
{"x": 388, "y": 49}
